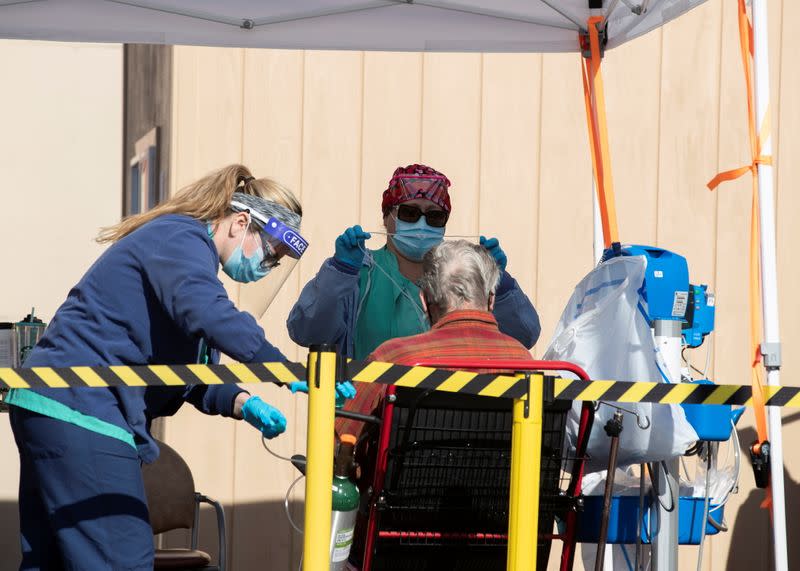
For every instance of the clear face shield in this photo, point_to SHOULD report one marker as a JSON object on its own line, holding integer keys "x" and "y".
{"x": 283, "y": 247}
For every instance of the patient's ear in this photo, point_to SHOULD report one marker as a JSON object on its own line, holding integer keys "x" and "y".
{"x": 431, "y": 310}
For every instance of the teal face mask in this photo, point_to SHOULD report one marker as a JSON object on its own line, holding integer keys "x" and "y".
{"x": 413, "y": 240}
{"x": 241, "y": 268}
{"x": 244, "y": 269}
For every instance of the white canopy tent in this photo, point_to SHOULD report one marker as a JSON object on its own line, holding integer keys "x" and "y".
{"x": 388, "y": 25}
{"x": 416, "y": 25}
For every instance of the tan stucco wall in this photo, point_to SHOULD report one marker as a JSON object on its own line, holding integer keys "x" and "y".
{"x": 60, "y": 180}
{"x": 509, "y": 132}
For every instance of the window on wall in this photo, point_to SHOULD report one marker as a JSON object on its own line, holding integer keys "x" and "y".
{"x": 145, "y": 189}
{"x": 147, "y": 126}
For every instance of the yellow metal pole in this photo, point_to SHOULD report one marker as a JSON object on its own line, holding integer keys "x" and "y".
{"x": 526, "y": 455}
{"x": 319, "y": 469}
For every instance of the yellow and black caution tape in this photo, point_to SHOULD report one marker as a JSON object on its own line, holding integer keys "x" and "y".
{"x": 492, "y": 385}
{"x": 150, "y": 376}
{"x": 515, "y": 386}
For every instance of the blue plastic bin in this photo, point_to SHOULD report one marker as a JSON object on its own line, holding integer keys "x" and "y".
{"x": 690, "y": 520}
{"x": 624, "y": 516}
{"x": 622, "y": 519}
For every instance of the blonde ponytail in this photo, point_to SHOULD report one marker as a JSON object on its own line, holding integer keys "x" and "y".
{"x": 207, "y": 199}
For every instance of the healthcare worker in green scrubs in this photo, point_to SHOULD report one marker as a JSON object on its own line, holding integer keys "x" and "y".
{"x": 361, "y": 298}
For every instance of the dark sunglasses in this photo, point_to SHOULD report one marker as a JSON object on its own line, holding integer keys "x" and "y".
{"x": 410, "y": 213}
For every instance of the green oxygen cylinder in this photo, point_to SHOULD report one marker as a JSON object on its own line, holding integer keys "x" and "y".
{"x": 345, "y": 504}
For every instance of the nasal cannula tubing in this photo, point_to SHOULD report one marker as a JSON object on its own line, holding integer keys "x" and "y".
{"x": 400, "y": 288}
{"x": 414, "y": 303}
{"x": 291, "y": 487}
{"x": 267, "y": 448}
{"x": 379, "y": 233}
{"x": 286, "y": 504}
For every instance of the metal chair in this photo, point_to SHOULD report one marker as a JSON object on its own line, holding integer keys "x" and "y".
{"x": 174, "y": 504}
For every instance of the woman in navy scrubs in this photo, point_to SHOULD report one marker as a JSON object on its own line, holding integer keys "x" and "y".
{"x": 152, "y": 298}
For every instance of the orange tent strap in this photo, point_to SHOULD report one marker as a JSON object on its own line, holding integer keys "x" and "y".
{"x": 594, "y": 98}
{"x": 594, "y": 148}
{"x": 756, "y": 325}
{"x": 727, "y": 176}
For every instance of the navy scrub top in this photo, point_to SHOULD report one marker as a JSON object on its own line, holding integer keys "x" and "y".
{"x": 150, "y": 299}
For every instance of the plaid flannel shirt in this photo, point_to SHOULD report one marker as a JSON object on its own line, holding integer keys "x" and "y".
{"x": 467, "y": 334}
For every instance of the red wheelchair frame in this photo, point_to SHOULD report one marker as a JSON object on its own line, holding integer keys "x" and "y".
{"x": 573, "y": 489}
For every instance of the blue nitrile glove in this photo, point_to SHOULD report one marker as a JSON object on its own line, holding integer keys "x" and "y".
{"x": 350, "y": 247}
{"x": 268, "y": 419}
{"x": 493, "y": 245}
{"x": 344, "y": 390}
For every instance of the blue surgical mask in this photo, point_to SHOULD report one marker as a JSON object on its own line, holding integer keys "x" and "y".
{"x": 245, "y": 269}
{"x": 413, "y": 240}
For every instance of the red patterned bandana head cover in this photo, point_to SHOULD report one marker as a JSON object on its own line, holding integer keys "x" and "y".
{"x": 416, "y": 181}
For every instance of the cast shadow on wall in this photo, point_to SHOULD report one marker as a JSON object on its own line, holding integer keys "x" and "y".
{"x": 259, "y": 536}
{"x": 751, "y": 541}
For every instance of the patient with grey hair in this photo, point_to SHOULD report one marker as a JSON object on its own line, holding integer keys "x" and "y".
{"x": 459, "y": 280}
{"x": 457, "y": 290}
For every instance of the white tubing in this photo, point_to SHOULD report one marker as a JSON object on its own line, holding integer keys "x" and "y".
{"x": 769, "y": 292}
{"x": 705, "y": 511}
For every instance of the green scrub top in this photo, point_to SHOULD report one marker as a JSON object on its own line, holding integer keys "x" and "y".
{"x": 389, "y": 302}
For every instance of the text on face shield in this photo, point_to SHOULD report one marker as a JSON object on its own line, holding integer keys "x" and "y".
{"x": 295, "y": 242}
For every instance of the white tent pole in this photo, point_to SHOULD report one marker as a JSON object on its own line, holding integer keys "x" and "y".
{"x": 668, "y": 338}
{"x": 769, "y": 293}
